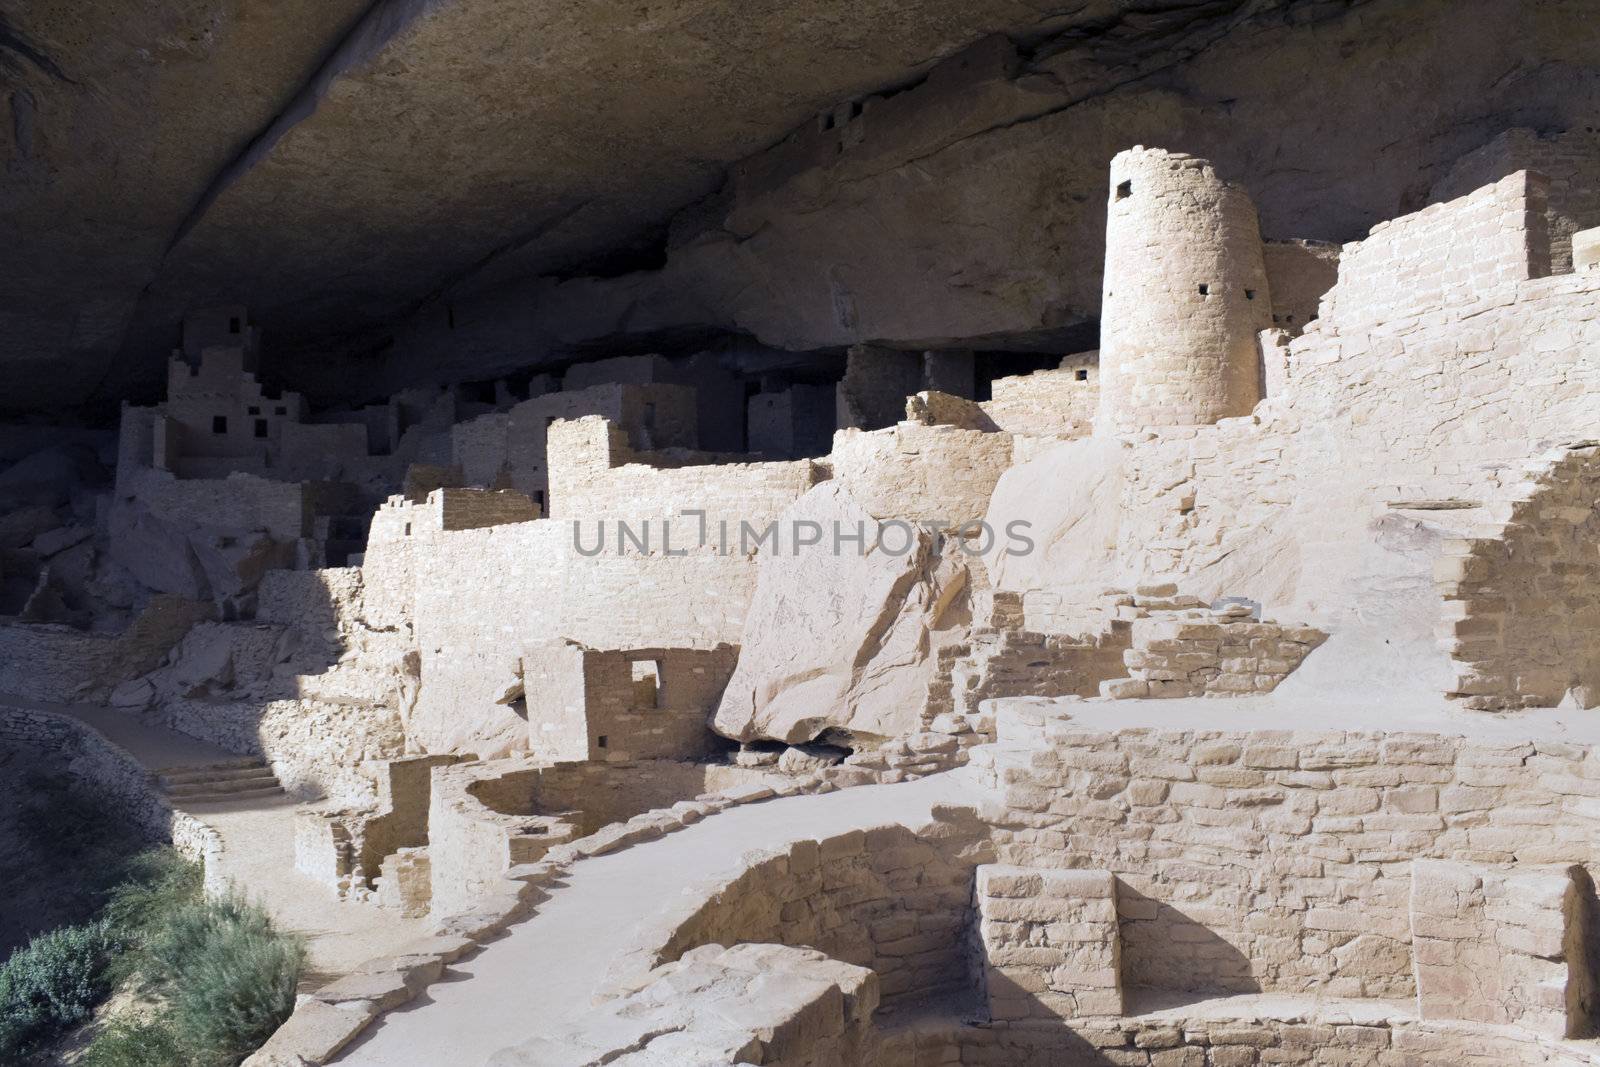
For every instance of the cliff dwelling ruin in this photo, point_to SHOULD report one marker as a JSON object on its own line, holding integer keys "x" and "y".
{"x": 893, "y": 534}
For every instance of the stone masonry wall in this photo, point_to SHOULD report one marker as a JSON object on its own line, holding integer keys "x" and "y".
{"x": 595, "y": 475}
{"x": 1060, "y": 402}
{"x": 876, "y": 382}
{"x": 1299, "y": 273}
{"x": 1281, "y": 861}
{"x": 879, "y": 898}
{"x": 1199, "y": 652}
{"x": 1570, "y": 160}
{"x": 1446, "y": 254}
{"x": 1496, "y": 946}
{"x": 1521, "y": 617}
{"x": 1050, "y": 944}
{"x": 95, "y": 763}
{"x": 1440, "y": 402}
{"x": 1289, "y": 1033}
{"x": 921, "y": 473}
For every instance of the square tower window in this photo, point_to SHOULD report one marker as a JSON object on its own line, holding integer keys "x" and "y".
{"x": 646, "y": 683}
{"x": 1249, "y": 294}
{"x": 1125, "y": 190}
{"x": 219, "y": 424}
{"x": 1082, "y": 375}
{"x": 1205, "y": 290}
{"x": 261, "y": 427}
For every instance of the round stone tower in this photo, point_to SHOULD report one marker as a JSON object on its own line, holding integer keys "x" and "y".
{"x": 1185, "y": 295}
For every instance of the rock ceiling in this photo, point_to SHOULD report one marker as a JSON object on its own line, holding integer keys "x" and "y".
{"x": 334, "y": 163}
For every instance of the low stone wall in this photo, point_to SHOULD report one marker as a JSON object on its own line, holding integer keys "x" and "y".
{"x": 488, "y": 817}
{"x": 58, "y": 664}
{"x": 1060, "y": 402}
{"x": 1234, "y": 1032}
{"x": 1199, "y": 652}
{"x": 797, "y": 1007}
{"x": 887, "y": 898}
{"x": 103, "y": 768}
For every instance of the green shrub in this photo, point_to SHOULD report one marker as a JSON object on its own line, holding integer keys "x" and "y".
{"x": 227, "y": 974}
{"x": 54, "y": 983}
{"x": 156, "y": 883}
{"x": 137, "y": 1043}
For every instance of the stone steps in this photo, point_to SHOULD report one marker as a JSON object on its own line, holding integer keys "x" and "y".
{"x": 228, "y": 780}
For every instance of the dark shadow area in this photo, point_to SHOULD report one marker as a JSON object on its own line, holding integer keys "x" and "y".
{"x": 64, "y": 847}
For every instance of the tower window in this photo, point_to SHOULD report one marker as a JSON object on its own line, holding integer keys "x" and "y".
{"x": 261, "y": 427}
{"x": 283, "y": 411}
{"x": 234, "y": 325}
{"x": 1125, "y": 190}
{"x": 1081, "y": 375}
{"x": 255, "y": 411}
{"x": 1249, "y": 294}
{"x": 219, "y": 424}
{"x": 1205, "y": 290}
{"x": 600, "y": 741}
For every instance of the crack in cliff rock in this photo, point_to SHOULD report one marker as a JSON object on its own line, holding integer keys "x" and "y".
{"x": 383, "y": 22}
{"x": 12, "y": 41}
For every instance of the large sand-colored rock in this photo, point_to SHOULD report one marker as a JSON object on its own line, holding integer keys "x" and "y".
{"x": 839, "y": 639}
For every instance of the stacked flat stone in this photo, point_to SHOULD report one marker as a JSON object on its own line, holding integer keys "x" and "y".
{"x": 1185, "y": 295}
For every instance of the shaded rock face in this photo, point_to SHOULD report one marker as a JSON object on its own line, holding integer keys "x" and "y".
{"x": 346, "y": 166}
{"x": 331, "y": 162}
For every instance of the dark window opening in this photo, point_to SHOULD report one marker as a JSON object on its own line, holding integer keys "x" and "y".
{"x": 1125, "y": 190}
{"x": 1082, "y": 375}
{"x": 255, "y": 411}
{"x": 600, "y": 741}
{"x": 1205, "y": 290}
{"x": 1249, "y": 294}
{"x": 233, "y": 325}
{"x": 283, "y": 411}
{"x": 219, "y": 424}
{"x": 538, "y": 498}
{"x": 450, "y": 315}
{"x": 408, "y": 529}
{"x": 261, "y": 427}
{"x": 1288, "y": 318}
